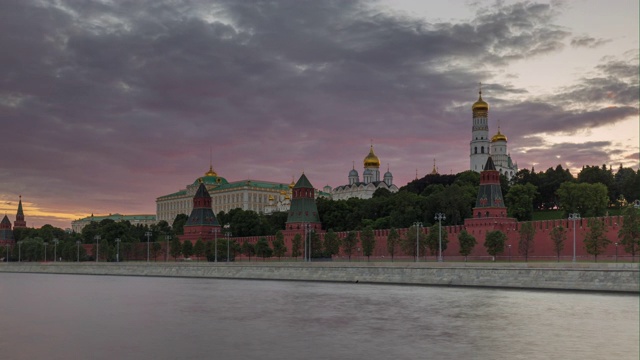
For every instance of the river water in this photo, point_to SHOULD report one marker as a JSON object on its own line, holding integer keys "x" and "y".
{"x": 104, "y": 317}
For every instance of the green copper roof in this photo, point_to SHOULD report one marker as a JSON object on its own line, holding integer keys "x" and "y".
{"x": 303, "y": 182}
{"x": 211, "y": 180}
{"x": 20, "y": 208}
{"x": 119, "y": 217}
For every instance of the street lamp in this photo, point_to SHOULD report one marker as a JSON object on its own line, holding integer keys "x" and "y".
{"x": 440, "y": 217}
{"x": 509, "y": 246}
{"x": 97, "y": 237}
{"x": 117, "y": 249}
{"x": 227, "y": 232}
{"x": 45, "y": 251}
{"x": 166, "y": 255}
{"x": 616, "y": 252}
{"x": 215, "y": 243}
{"x": 78, "y": 250}
{"x": 148, "y": 235}
{"x": 55, "y": 249}
{"x": 418, "y": 225}
{"x": 574, "y": 217}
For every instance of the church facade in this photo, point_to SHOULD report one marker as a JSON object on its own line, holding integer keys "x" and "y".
{"x": 481, "y": 146}
{"x": 370, "y": 181}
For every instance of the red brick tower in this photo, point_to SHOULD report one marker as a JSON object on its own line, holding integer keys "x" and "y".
{"x": 490, "y": 209}
{"x": 19, "y": 223}
{"x": 202, "y": 223}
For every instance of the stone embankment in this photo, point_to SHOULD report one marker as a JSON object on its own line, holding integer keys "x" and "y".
{"x": 623, "y": 278}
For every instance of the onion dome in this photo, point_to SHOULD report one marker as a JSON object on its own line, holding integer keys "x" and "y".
{"x": 480, "y": 108}
{"x": 498, "y": 137}
{"x": 210, "y": 172}
{"x": 353, "y": 172}
{"x": 271, "y": 198}
{"x": 292, "y": 184}
{"x": 371, "y": 160}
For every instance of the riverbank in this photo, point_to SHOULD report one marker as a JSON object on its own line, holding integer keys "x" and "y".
{"x": 604, "y": 277}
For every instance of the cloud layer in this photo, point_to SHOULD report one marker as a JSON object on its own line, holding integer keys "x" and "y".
{"x": 111, "y": 104}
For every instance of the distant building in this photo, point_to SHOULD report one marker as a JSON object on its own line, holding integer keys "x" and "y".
{"x": 257, "y": 195}
{"x": 370, "y": 181}
{"x": 78, "y": 225}
{"x": 481, "y": 146}
{"x": 6, "y": 232}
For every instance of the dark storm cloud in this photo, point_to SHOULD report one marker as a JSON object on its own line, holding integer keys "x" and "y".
{"x": 103, "y": 97}
{"x": 587, "y": 41}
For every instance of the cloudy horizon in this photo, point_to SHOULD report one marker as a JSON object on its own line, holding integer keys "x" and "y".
{"x": 107, "y": 105}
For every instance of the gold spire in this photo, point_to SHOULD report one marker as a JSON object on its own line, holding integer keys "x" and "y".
{"x": 435, "y": 170}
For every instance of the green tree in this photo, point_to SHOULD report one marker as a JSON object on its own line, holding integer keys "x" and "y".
{"x": 393, "y": 239}
{"x": 199, "y": 249}
{"x": 494, "y": 243}
{"x": 519, "y": 201}
{"x": 296, "y": 246}
{"x": 368, "y": 240}
{"x": 433, "y": 239}
{"x": 629, "y": 233}
{"x": 527, "y": 233}
{"x": 467, "y": 243}
{"x": 317, "y": 250}
{"x": 248, "y": 249}
{"x": 415, "y": 235}
{"x": 187, "y": 249}
{"x": 558, "y": 238}
{"x": 263, "y": 249}
{"x": 589, "y": 200}
{"x": 279, "y": 248}
{"x": 595, "y": 241}
{"x": 155, "y": 250}
{"x": 178, "y": 224}
{"x": 331, "y": 243}
{"x": 176, "y": 248}
{"x": 349, "y": 243}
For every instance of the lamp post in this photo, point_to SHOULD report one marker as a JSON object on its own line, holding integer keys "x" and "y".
{"x": 77, "y": 250}
{"x": 509, "y": 246}
{"x": 440, "y": 217}
{"x": 418, "y": 225}
{"x": 45, "y": 251}
{"x": 148, "y": 235}
{"x": 118, "y": 250}
{"x": 166, "y": 254}
{"x": 19, "y": 251}
{"x": 309, "y": 235}
{"x": 616, "y": 252}
{"x": 55, "y": 249}
{"x": 227, "y": 231}
{"x": 574, "y": 217}
{"x": 215, "y": 243}
{"x": 97, "y": 237}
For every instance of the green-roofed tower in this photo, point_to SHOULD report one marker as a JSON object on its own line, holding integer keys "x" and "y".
{"x": 303, "y": 208}
{"x": 202, "y": 223}
{"x": 20, "y": 222}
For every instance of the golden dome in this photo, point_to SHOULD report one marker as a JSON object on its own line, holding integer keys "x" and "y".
{"x": 270, "y": 197}
{"x": 287, "y": 197}
{"x": 210, "y": 172}
{"x": 371, "y": 160}
{"x": 292, "y": 184}
{"x": 480, "y": 108}
{"x": 282, "y": 192}
{"x": 498, "y": 137}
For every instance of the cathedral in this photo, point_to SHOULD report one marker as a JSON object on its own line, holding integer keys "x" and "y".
{"x": 481, "y": 146}
{"x": 370, "y": 181}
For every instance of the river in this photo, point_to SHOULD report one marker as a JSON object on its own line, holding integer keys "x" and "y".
{"x": 107, "y": 317}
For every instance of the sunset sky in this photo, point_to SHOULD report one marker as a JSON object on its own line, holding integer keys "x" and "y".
{"x": 106, "y": 105}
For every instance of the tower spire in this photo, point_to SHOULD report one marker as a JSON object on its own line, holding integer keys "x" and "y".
{"x": 20, "y": 223}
